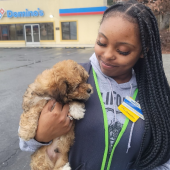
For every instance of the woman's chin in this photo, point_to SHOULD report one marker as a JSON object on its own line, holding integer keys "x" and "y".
{"x": 107, "y": 72}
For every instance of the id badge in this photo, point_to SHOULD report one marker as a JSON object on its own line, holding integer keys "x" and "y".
{"x": 131, "y": 109}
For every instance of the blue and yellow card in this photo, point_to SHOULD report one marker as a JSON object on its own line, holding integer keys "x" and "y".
{"x": 131, "y": 109}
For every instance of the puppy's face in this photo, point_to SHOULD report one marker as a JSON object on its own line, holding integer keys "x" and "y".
{"x": 79, "y": 91}
{"x": 77, "y": 88}
{"x": 67, "y": 82}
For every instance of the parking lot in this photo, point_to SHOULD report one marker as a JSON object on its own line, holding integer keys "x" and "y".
{"x": 18, "y": 68}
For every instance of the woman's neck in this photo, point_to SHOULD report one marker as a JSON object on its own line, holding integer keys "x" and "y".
{"x": 123, "y": 78}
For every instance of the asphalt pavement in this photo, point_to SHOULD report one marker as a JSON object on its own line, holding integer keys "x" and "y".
{"x": 18, "y": 69}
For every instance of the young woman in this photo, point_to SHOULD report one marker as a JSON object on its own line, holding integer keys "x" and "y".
{"x": 127, "y": 62}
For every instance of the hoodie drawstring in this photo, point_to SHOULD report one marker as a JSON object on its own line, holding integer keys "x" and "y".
{"x": 131, "y": 89}
{"x": 130, "y": 137}
{"x": 132, "y": 127}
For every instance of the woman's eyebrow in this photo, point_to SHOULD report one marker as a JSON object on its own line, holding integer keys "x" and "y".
{"x": 125, "y": 44}
{"x": 103, "y": 35}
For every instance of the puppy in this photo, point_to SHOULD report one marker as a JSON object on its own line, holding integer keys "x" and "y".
{"x": 66, "y": 83}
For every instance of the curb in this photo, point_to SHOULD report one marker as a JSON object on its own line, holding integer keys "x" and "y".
{"x": 74, "y": 47}
{"x": 41, "y": 47}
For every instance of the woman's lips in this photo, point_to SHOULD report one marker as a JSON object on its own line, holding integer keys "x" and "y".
{"x": 106, "y": 65}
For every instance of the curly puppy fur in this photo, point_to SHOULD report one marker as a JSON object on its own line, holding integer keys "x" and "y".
{"x": 66, "y": 83}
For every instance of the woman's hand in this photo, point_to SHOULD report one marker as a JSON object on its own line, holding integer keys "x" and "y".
{"x": 53, "y": 123}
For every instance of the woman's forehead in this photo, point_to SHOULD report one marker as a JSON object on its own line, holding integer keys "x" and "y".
{"x": 118, "y": 28}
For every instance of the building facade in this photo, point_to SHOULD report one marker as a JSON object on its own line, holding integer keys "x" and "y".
{"x": 50, "y": 23}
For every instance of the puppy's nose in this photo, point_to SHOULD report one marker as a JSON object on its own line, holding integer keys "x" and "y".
{"x": 88, "y": 90}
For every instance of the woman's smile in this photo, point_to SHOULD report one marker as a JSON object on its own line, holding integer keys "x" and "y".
{"x": 106, "y": 65}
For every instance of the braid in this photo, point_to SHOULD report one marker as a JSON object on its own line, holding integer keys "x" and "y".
{"x": 141, "y": 84}
{"x": 155, "y": 124}
{"x": 154, "y": 90}
{"x": 162, "y": 81}
{"x": 152, "y": 109}
{"x": 155, "y": 26}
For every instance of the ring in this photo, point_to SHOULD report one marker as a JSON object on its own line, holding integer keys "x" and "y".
{"x": 70, "y": 117}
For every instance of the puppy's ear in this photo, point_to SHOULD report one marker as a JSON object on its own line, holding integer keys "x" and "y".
{"x": 61, "y": 91}
{"x": 81, "y": 72}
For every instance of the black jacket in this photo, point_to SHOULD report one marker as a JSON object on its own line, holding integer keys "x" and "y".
{"x": 88, "y": 149}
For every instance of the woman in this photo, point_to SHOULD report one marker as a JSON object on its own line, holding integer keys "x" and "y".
{"x": 127, "y": 57}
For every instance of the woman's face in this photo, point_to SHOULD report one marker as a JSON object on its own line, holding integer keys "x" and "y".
{"x": 118, "y": 47}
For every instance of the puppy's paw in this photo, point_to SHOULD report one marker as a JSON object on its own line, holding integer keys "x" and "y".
{"x": 66, "y": 167}
{"x": 77, "y": 110}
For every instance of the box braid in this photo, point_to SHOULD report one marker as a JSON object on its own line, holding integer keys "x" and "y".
{"x": 154, "y": 91}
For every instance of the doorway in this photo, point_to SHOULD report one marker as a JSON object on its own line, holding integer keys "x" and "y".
{"x": 32, "y": 34}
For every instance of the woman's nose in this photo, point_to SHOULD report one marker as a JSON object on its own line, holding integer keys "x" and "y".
{"x": 109, "y": 54}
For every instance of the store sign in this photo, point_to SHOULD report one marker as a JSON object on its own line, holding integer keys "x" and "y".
{"x": 20, "y": 14}
{"x": 26, "y": 13}
{"x": 2, "y": 12}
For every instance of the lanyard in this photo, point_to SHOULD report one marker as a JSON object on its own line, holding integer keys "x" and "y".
{"x": 106, "y": 126}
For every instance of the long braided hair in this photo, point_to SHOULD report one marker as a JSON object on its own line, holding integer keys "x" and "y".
{"x": 154, "y": 91}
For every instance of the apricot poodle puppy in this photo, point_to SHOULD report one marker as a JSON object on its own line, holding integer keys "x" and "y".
{"x": 66, "y": 83}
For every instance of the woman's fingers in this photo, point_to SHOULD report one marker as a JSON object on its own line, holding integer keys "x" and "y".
{"x": 65, "y": 109}
{"x": 49, "y": 105}
{"x": 57, "y": 107}
{"x": 71, "y": 124}
{"x": 53, "y": 123}
{"x": 63, "y": 112}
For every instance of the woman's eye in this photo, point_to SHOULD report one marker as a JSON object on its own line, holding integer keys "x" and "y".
{"x": 123, "y": 53}
{"x": 100, "y": 44}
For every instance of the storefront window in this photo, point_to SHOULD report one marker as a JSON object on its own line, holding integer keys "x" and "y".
{"x": 69, "y": 30}
{"x": 12, "y": 32}
{"x": 0, "y": 33}
{"x": 19, "y": 31}
{"x": 73, "y": 30}
{"x": 5, "y": 32}
{"x": 8, "y": 32}
{"x": 46, "y": 31}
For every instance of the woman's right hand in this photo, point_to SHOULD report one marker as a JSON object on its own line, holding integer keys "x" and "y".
{"x": 53, "y": 123}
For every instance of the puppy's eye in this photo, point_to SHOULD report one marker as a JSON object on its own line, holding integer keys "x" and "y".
{"x": 75, "y": 87}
